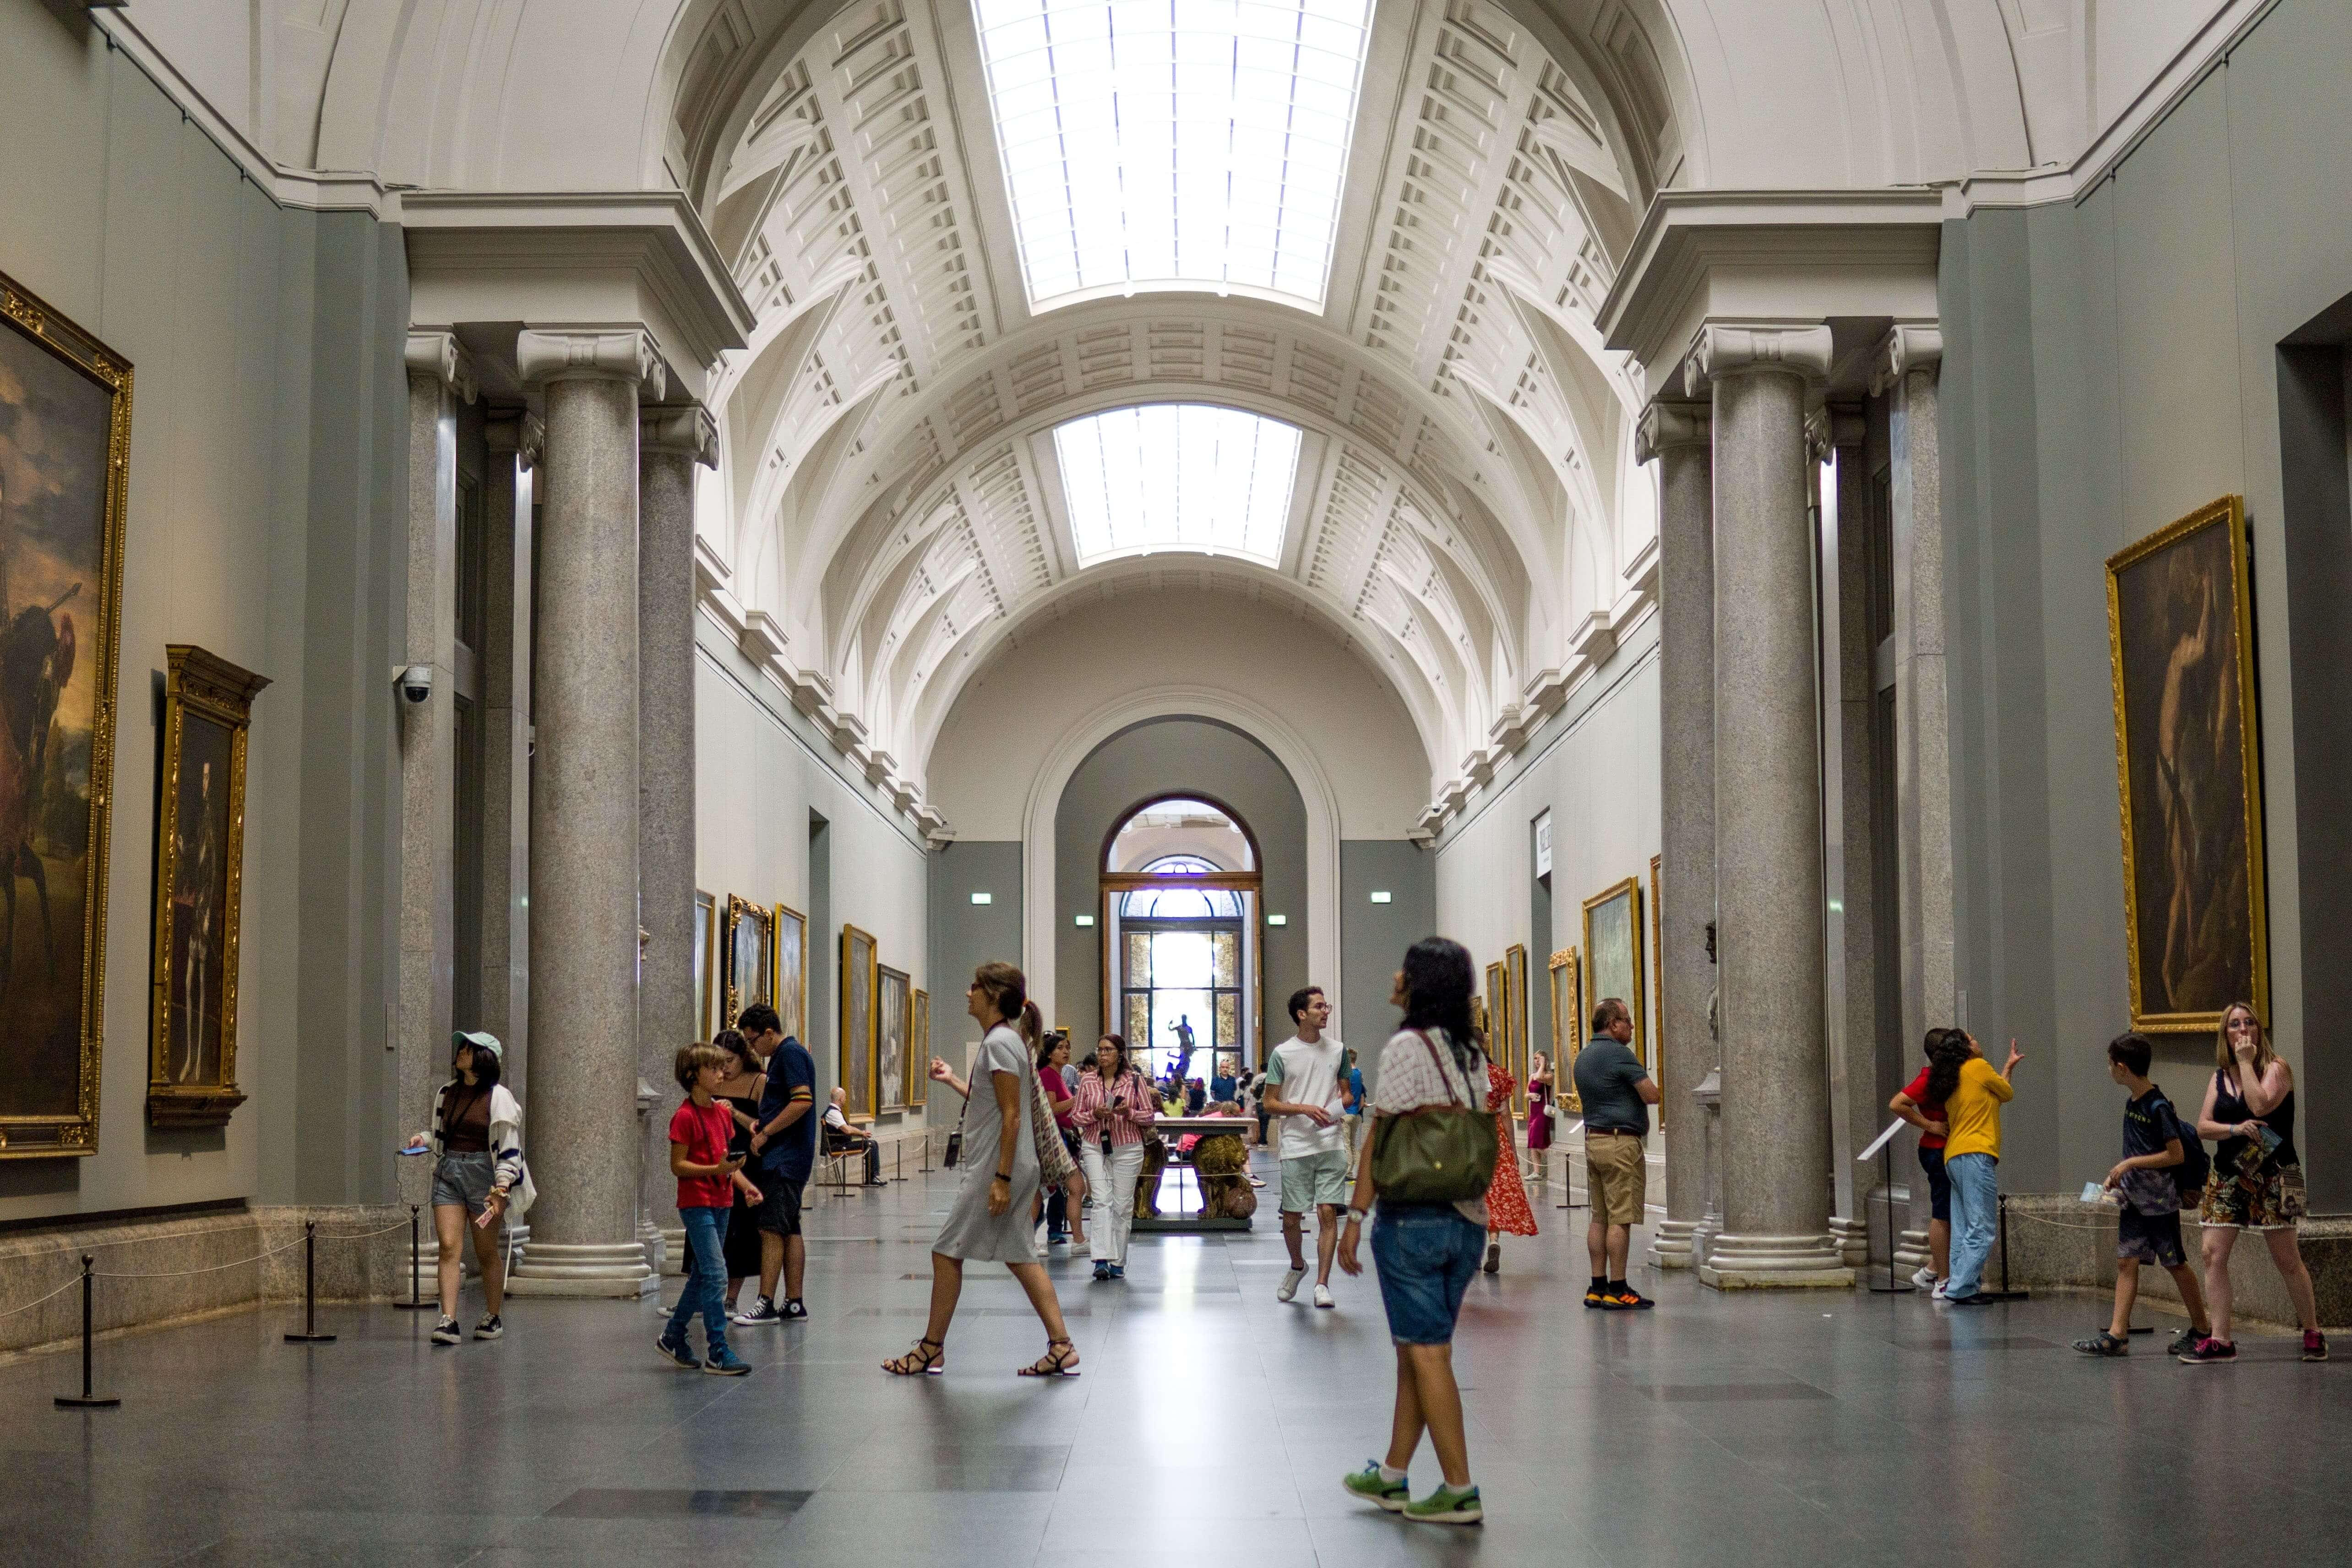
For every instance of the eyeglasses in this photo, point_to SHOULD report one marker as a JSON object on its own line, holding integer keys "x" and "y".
{"x": 2236, "y": 1023}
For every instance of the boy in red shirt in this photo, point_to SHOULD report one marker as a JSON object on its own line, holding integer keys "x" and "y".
{"x": 706, "y": 1176}
{"x": 1914, "y": 1106}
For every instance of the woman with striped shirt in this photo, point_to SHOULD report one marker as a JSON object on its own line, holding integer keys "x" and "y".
{"x": 1115, "y": 1104}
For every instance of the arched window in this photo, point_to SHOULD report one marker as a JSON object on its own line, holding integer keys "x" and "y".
{"x": 1182, "y": 904}
{"x": 1179, "y": 950}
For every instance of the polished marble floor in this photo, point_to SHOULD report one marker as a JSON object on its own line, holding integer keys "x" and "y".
{"x": 1211, "y": 1424}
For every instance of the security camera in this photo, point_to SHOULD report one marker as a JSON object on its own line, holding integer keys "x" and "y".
{"x": 417, "y": 682}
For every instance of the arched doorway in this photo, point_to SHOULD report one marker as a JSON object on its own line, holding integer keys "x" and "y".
{"x": 1179, "y": 906}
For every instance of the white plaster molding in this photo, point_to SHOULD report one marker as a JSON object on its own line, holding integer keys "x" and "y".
{"x": 520, "y": 432}
{"x": 719, "y": 605}
{"x": 904, "y": 794}
{"x": 1040, "y": 928}
{"x": 848, "y": 731}
{"x": 435, "y": 352}
{"x": 564, "y": 353}
{"x": 761, "y": 639}
{"x": 1453, "y": 795}
{"x": 1509, "y": 729}
{"x": 1640, "y": 573}
{"x": 1668, "y": 422}
{"x": 1908, "y": 346}
{"x": 880, "y": 766}
{"x": 1829, "y": 428}
{"x": 1478, "y": 767}
{"x": 690, "y": 430}
{"x": 710, "y": 565}
{"x": 1594, "y": 638}
{"x": 1545, "y": 693}
{"x": 1733, "y": 348}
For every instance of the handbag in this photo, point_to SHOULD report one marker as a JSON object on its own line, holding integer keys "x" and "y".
{"x": 1437, "y": 1155}
{"x": 1054, "y": 1166}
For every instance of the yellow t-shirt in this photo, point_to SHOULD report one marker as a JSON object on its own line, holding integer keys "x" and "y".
{"x": 1973, "y": 1113}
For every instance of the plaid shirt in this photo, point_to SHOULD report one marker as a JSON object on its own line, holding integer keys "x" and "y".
{"x": 1094, "y": 1113}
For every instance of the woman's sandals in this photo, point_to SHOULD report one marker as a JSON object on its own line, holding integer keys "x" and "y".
{"x": 919, "y": 1362}
{"x": 1060, "y": 1360}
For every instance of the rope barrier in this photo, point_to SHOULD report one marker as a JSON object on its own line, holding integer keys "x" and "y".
{"x": 38, "y": 1299}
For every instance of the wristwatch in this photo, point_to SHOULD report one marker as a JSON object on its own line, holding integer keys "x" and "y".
{"x": 1357, "y": 1215}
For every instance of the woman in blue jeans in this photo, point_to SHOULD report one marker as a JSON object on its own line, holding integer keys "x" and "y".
{"x": 1426, "y": 1253}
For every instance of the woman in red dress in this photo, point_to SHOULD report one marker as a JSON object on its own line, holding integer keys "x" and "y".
{"x": 1506, "y": 1200}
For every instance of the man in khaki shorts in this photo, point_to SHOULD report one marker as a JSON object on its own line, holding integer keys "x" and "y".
{"x": 1617, "y": 1092}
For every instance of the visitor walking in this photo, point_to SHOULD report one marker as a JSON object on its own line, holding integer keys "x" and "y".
{"x": 1617, "y": 1092}
{"x": 1507, "y": 1209}
{"x": 1434, "y": 1075}
{"x": 2257, "y": 1180}
{"x": 1303, "y": 1087}
{"x": 1351, "y": 1088}
{"x": 785, "y": 1143}
{"x": 1115, "y": 1109}
{"x": 2147, "y": 1183}
{"x": 1913, "y": 1105}
{"x": 708, "y": 1179}
{"x": 990, "y": 1221}
{"x": 1972, "y": 1095}
{"x": 477, "y": 1145}
{"x": 738, "y": 1090}
{"x": 1539, "y": 1117}
{"x": 1064, "y": 1221}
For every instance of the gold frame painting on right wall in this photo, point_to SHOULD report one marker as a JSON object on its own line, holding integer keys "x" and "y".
{"x": 1613, "y": 957}
{"x": 2180, "y": 644}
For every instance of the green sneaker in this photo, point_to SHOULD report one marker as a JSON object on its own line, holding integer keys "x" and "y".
{"x": 1367, "y": 1484}
{"x": 1447, "y": 1506}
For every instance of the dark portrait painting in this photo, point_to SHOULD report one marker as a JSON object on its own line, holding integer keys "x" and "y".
{"x": 64, "y": 439}
{"x": 2179, "y": 625}
{"x": 200, "y": 894}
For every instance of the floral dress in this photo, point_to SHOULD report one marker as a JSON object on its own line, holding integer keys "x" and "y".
{"x": 1507, "y": 1199}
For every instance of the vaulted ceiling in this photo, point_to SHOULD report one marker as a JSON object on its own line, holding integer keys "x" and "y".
{"x": 1466, "y": 513}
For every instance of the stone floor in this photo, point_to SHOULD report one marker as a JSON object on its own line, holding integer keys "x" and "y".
{"x": 1212, "y": 1425}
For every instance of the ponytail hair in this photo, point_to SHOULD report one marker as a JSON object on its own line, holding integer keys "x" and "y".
{"x": 1032, "y": 1024}
{"x": 1947, "y": 1052}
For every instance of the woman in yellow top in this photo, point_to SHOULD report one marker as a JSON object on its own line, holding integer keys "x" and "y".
{"x": 1972, "y": 1094}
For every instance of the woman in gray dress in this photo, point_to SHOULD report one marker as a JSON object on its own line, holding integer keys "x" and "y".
{"x": 992, "y": 1219}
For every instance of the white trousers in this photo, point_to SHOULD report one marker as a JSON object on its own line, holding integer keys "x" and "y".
{"x": 1111, "y": 1185}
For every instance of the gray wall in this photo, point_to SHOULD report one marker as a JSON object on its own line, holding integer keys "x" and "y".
{"x": 1185, "y": 756}
{"x": 267, "y": 460}
{"x": 965, "y": 935}
{"x": 1373, "y": 937}
{"x": 2111, "y": 366}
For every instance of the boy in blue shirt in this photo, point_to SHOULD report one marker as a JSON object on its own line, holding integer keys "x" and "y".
{"x": 2155, "y": 1145}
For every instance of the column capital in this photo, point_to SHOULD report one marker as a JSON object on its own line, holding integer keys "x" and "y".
{"x": 689, "y": 432}
{"x": 435, "y": 352}
{"x": 1833, "y": 426}
{"x": 621, "y": 353}
{"x": 1728, "y": 348}
{"x": 1908, "y": 346}
{"x": 517, "y": 432}
{"x": 1667, "y": 422}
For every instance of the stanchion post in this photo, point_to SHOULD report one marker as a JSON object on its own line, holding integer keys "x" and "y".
{"x": 310, "y": 1334}
{"x": 1887, "y": 1201}
{"x": 87, "y": 1400}
{"x": 415, "y": 1276}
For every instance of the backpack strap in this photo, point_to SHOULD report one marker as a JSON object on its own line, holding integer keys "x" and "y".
{"x": 1431, "y": 1046}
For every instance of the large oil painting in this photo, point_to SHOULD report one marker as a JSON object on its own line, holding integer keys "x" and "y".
{"x": 199, "y": 880}
{"x": 750, "y": 955}
{"x": 893, "y": 993}
{"x": 2188, "y": 765}
{"x": 792, "y": 972}
{"x": 1566, "y": 1027}
{"x": 857, "y": 1020}
{"x": 1515, "y": 1025}
{"x": 918, "y": 1049}
{"x": 65, "y": 452}
{"x": 1612, "y": 955}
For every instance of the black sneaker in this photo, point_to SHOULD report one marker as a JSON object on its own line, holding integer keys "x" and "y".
{"x": 2207, "y": 1352}
{"x": 760, "y": 1314}
{"x": 675, "y": 1352}
{"x": 2315, "y": 1345}
{"x": 489, "y": 1328}
{"x": 448, "y": 1332}
{"x": 2185, "y": 1340}
{"x": 793, "y": 1312}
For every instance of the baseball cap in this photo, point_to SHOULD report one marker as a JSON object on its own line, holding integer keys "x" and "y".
{"x": 480, "y": 1041}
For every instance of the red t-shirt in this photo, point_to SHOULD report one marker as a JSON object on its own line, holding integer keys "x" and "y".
{"x": 1917, "y": 1089}
{"x": 704, "y": 1129}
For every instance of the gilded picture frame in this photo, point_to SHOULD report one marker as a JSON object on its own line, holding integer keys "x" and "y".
{"x": 1497, "y": 1024}
{"x": 893, "y": 1033}
{"x": 1612, "y": 955}
{"x": 1658, "y": 983}
{"x": 748, "y": 957}
{"x": 706, "y": 972}
{"x": 2180, "y": 647}
{"x": 199, "y": 889}
{"x": 792, "y": 971}
{"x": 919, "y": 1051}
{"x": 1515, "y": 1027}
{"x": 65, "y": 470}
{"x": 1566, "y": 1027}
{"x": 859, "y": 1016}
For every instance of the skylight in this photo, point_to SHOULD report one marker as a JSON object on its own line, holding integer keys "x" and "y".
{"x": 1174, "y": 144}
{"x": 1178, "y": 476}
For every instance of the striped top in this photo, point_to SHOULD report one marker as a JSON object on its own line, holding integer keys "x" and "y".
{"x": 1124, "y": 1115}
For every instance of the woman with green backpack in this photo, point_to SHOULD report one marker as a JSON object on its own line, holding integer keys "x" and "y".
{"x": 1433, "y": 1154}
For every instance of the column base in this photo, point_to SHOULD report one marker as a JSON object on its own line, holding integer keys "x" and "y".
{"x": 1852, "y": 1239}
{"x": 1670, "y": 1244}
{"x": 671, "y": 1259}
{"x": 1911, "y": 1254}
{"x": 592, "y": 1269}
{"x": 1775, "y": 1263}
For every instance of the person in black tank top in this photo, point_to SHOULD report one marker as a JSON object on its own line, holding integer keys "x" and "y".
{"x": 2257, "y": 1180}
{"x": 740, "y": 1093}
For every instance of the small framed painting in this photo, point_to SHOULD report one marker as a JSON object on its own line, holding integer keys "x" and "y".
{"x": 857, "y": 1020}
{"x": 750, "y": 955}
{"x": 1514, "y": 1028}
{"x": 792, "y": 972}
{"x": 1566, "y": 1027}
{"x": 1612, "y": 955}
{"x": 894, "y": 997}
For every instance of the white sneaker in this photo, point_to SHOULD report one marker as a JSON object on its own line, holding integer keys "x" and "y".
{"x": 1939, "y": 1290}
{"x": 1925, "y": 1278}
{"x": 1289, "y": 1286}
{"x": 1081, "y": 1248}
{"x": 1323, "y": 1295}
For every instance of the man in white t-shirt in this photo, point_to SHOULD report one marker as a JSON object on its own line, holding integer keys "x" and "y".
{"x": 1305, "y": 1086}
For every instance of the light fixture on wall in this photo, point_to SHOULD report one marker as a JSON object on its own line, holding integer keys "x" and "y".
{"x": 1381, "y": 895}
{"x": 983, "y": 898}
{"x": 1278, "y": 920}
{"x": 1082, "y": 919}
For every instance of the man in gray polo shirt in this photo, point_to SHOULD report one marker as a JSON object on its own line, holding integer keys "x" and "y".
{"x": 1617, "y": 1092}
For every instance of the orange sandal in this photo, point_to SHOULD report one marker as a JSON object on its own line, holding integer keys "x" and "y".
{"x": 919, "y": 1361}
{"x": 1054, "y": 1363}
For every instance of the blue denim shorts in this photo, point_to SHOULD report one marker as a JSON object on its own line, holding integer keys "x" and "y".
{"x": 1426, "y": 1254}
